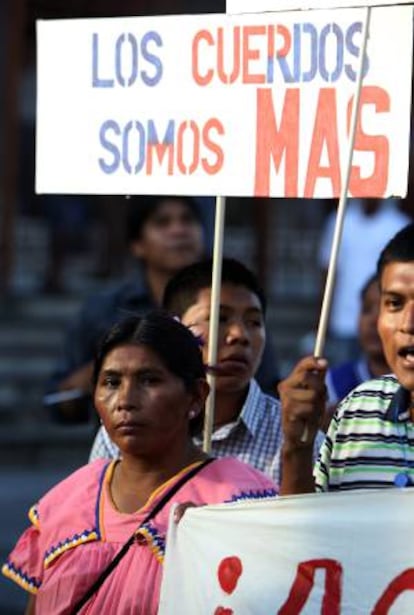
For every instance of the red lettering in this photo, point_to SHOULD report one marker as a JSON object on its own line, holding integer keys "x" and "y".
{"x": 273, "y": 142}
{"x": 192, "y": 126}
{"x": 375, "y": 184}
{"x": 270, "y": 41}
{"x": 207, "y": 77}
{"x": 160, "y": 150}
{"x": 225, "y": 78}
{"x": 325, "y": 132}
{"x": 287, "y": 41}
{"x": 304, "y": 582}
{"x": 229, "y": 572}
{"x": 213, "y": 124}
{"x": 402, "y": 583}
{"x": 251, "y": 54}
{"x": 235, "y": 63}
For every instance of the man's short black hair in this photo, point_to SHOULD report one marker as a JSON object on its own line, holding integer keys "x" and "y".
{"x": 142, "y": 208}
{"x": 182, "y": 289}
{"x": 400, "y": 249}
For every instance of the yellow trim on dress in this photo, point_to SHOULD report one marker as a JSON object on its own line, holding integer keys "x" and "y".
{"x": 152, "y": 496}
{"x": 70, "y": 543}
{"x": 169, "y": 481}
{"x": 151, "y": 542}
{"x": 109, "y": 472}
{"x": 17, "y": 578}
{"x": 34, "y": 516}
{"x": 154, "y": 541}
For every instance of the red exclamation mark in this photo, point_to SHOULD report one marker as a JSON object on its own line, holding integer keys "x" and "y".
{"x": 228, "y": 573}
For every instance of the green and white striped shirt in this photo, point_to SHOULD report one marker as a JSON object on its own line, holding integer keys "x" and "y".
{"x": 370, "y": 440}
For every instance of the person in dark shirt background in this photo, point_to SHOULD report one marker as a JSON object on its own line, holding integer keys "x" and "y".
{"x": 165, "y": 234}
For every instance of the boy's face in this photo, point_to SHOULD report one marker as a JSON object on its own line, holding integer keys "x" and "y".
{"x": 241, "y": 335}
{"x": 396, "y": 320}
{"x": 171, "y": 238}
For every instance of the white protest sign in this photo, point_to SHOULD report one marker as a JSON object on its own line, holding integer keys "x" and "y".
{"x": 217, "y": 104}
{"x": 258, "y": 6}
{"x": 330, "y": 554}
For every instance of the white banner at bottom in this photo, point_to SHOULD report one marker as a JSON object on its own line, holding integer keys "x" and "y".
{"x": 334, "y": 554}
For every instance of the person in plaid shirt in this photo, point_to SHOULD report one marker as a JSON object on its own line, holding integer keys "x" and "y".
{"x": 248, "y": 422}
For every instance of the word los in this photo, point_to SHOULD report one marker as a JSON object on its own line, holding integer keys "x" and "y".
{"x": 263, "y": 54}
{"x": 132, "y": 61}
{"x": 187, "y": 147}
{"x": 277, "y": 142}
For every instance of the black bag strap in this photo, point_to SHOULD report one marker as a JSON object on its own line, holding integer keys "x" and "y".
{"x": 124, "y": 549}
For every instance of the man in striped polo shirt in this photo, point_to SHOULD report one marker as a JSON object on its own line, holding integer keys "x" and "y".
{"x": 370, "y": 442}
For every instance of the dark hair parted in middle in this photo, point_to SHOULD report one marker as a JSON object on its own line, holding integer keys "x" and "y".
{"x": 182, "y": 289}
{"x": 174, "y": 343}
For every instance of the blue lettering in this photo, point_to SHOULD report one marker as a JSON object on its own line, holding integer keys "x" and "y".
{"x": 339, "y": 55}
{"x": 133, "y": 60}
{"x": 141, "y": 148}
{"x": 312, "y": 51}
{"x": 284, "y": 67}
{"x": 97, "y": 82}
{"x": 151, "y": 58}
{"x": 354, "y": 51}
{"x": 270, "y": 70}
{"x": 310, "y": 29}
{"x": 109, "y": 146}
{"x": 168, "y": 136}
{"x": 296, "y": 52}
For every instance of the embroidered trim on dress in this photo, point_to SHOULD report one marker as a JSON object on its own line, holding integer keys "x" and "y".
{"x": 156, "y": 541}
{"x": 98, "y": 519}
{"x": 69, "y": 543}
{"x": 253, "y": 495}
{"x": 33, "y": 515}
{"x": 30, "y": 584}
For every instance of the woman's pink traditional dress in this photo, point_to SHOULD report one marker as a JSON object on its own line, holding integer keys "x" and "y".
{"x": 76, "y": 531}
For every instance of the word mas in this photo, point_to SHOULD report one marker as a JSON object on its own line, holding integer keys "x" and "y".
{"x": 278, "y": 62}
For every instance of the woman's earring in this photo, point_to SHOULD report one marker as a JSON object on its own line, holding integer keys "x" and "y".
{"x": 193, "y": 413}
